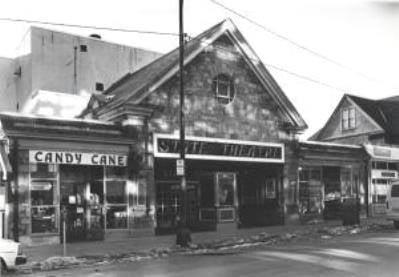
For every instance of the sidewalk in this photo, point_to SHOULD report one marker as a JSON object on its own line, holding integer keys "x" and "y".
{"x": 142, "y": 244}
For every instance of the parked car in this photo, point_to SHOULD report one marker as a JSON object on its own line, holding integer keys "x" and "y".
{"x": 393, "y": 203}
{"x": 10, "y": 254}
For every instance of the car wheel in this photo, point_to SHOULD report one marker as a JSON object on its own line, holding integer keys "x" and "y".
{"x": 3, "y": 267}
{"x": 396, "y": 224}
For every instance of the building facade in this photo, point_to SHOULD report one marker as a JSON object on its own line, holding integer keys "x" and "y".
{"x": 113, "y": 173}
{"x": 240, "y": 130}
{"x": 372, "y": 124}
{"x": 61, "y": 62}
{"x": 80, "y": 171}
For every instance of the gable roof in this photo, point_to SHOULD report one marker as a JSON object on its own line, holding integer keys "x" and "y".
{"x": 134, "y": 87}
{"x": 384, "y": 112}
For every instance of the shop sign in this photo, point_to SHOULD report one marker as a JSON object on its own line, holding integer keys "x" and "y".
{"x": 76, "y": 158}
{"x": 381, "y": 152}
{"x": 168, "y": 146}
{"x": 384, "y": 174}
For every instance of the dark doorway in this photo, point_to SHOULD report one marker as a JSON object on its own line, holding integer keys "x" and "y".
{"x": 259, "y": 198}
{"x": 82, "y": 198}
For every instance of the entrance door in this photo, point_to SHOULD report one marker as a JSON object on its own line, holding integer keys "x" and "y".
{"x": 169, "y": 205}
{"x": 259, "y": 205}
{"x": 74, "y": 208}
{"x": 81, "y": 203}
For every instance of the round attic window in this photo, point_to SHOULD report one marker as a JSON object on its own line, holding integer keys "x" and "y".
{"x": 223, "y": 87}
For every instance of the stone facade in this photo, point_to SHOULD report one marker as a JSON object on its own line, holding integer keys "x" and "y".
{"x": 252, "y": 115}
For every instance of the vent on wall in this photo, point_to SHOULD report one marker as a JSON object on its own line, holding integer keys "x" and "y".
{"x": 97, "y": 36}
{"x": 99, "y": 86}
{"x": 83, "y": 48}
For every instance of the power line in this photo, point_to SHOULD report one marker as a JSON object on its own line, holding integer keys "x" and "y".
{"x": 300, "y": 46}
{"x": 282, "y": 69}
{"x": 104, "y": 28}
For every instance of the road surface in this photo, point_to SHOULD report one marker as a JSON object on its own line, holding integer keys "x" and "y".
{"x": 371, "y": 254}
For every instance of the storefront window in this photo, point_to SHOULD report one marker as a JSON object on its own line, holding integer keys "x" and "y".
{"x": 116, "y": 217}
{"x": 347, "y": 184}
{"x": 225, "y": 187}
{"x": 43, "y": 201}
{"x": 379, "y": 190}
{"x": 116, "y": 198}
{"x": 116, "y": 192}
{"x": 270, "y": 189}
{"x": 44, "y": 219}
{"x": 310, "y": 191}
{"x": 42, "y": 193}
{"x": 43, "y": 170}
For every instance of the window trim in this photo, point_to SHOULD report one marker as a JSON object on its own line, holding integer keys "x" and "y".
{"x": 348, "y": 118}
{"x": 56, "y": 205}
{"x": 227, "y": 81}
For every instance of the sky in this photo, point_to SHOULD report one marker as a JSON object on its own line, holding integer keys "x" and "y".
{"x": 361, "y": 37}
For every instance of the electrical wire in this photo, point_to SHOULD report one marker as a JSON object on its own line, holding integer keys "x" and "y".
{"x": 279, "y": 68}
{"x": 296, "y": 44}
{"x": 104, "y": 28}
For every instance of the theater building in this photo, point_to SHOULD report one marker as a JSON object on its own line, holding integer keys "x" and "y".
{"x": 240, "y": 133}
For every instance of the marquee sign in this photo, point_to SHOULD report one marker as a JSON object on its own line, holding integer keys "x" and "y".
{"x": 76, "y": 158}
{"x": 167, "y": 146}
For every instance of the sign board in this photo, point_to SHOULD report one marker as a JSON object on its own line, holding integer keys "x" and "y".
{"x": 2, "y": 201}
{"x": 384, "y": 174}
{"x": 168, "y": 146}
{"x": 76, "y": 158}
{"x": 180, "y": 167}
{"x": 382, "y": 152}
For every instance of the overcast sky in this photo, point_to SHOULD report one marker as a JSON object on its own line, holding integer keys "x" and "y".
{"x": 362, "y": 35}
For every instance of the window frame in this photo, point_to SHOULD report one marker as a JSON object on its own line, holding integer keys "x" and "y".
{"x": 54, "y": 180}
{"x": 112, "y": 177}
{"x": 225, "y": 81}
{"x": 348, "y": 118}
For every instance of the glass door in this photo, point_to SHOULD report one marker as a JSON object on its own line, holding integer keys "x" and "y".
{"x": 226, "y": 196}
{"x": 81, "y": 203}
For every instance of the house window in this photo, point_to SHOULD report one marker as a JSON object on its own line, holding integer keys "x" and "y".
{"x": 99, "y": 87}
{"x": 223, "y": 88}
{"x": 348, "y": 118}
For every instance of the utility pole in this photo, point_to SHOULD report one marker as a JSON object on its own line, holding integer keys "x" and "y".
{"x": 183, "y": 236}
{"x": 75, "y": 69}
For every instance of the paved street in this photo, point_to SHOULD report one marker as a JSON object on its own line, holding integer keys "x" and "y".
{"x": 372, "y": 254}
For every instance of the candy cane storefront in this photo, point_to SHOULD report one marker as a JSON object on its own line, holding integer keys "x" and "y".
{"x": 76, "y": 168}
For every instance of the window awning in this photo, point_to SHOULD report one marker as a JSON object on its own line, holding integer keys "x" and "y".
{"x": 5, "y": 166}
{"x": 383, "y": 153}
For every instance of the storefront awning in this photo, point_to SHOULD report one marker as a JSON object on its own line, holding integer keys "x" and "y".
{"x": 5, "y": 166}
{"x": 385, "y": 153}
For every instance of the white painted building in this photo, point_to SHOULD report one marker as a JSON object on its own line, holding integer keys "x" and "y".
{"x": 65, "y": 63}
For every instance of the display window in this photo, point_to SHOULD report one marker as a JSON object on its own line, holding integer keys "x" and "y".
{"x": 116, "y": 198}
{"x": 379, "y": 190}
{"x": 43, "y": 191}
{"x": 225, "y": 188}
{"x": 270, "y": 189}
{"x": 310, "y": 191}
